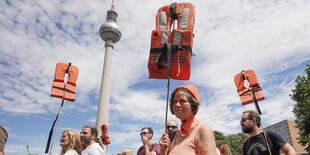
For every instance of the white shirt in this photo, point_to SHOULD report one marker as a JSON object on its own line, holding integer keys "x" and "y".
{"x": 71, "y": 152}
{"x": 93, "y": 149}
{"x": 217, "y": 152}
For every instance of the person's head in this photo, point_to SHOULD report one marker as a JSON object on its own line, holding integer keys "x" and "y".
{"x": 172, "y": 126}
{"x": 147, "y": 132}
{"x": 184, "y": 101}
{"x": 88, "y": 135}
{"x": 225, "y": 150}
{"x": 127, "y": 152}
{"x": 249, "y": 121}
{"x": 70, "y": 140}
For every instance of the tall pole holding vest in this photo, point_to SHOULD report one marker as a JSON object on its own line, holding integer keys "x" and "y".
{"x": 110, "y": 34}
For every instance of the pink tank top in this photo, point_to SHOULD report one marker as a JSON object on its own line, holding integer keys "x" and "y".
{"x": 185, "y": 145}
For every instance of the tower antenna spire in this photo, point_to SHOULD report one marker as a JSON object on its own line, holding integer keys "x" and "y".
{"x": 113, "y": 4}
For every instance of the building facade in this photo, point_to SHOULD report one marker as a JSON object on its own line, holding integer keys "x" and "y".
{"x": 289, "y": 132}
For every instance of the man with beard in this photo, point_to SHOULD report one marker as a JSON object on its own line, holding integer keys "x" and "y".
{"x": 256, "y": 144}
{"x": 89, "y": 141}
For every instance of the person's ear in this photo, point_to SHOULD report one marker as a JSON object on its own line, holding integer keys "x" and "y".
{"x": 93, "y": 136}
{"x": 254, "y": 121}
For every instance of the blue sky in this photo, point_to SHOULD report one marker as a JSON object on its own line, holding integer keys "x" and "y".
{"x": 270, "y": 37}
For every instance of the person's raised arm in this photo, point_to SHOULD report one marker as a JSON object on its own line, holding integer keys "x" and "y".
{"x": 206, "y": 141}
{"x": 146, "y": 143}
{"x": 288, "y": 149}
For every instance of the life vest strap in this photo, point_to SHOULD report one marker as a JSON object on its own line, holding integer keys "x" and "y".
{"x": 179, "y": 48}
{"x": 64, "y": 89}
{"x": 250, "y": 90}
{"x": 173, "y": 10}
{"x": 163, "y": 54}
{"x": 68, "y": 69}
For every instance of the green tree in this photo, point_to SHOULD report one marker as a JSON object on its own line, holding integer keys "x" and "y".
{"x": 234, "y": 141}
{"x": 301, "y": 94}
{"x": 220, "y": 139}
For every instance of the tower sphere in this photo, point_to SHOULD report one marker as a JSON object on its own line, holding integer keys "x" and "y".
{"x": 110, "y": 30}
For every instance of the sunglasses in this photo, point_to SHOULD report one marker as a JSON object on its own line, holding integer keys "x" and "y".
{"x": 244, "y": 119}
{"x": 143, "y": 133}
{"x": 171, "y": 127}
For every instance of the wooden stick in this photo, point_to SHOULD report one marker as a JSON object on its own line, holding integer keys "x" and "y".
{"x": 62, "y": 101}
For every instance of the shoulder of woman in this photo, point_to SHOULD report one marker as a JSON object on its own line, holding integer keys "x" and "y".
{"x": 71, "y": 152}
{"x": 204, "y": 129}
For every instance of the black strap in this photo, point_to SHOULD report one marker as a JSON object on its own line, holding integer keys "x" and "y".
{"x": 64, "y": 89}
{"x": 243, "y": 74}
{"x": 162, "y": 59}
{"x": 150, "y": 149}
{"x": 255, "y": 101}
{"x": 152, "y": 146}
{"x": 68, "y": 68}
{"x": 179, "y": 48}
{"x": 251, "y": 90}
{"x": 50, "y": 136}
{"x": 173, "y": 10}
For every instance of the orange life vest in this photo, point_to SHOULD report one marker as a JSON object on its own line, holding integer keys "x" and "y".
{"x": 253, "y": 92}
{"x": 59, "y": 88}
{"x": 104, "y": 137}
{"x": 180, "y": 39}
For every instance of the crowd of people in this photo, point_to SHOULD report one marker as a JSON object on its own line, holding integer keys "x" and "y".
{"x": 191, "y": 138}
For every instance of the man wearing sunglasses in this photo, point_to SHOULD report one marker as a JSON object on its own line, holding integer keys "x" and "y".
{"x": 256, "y": 144}
{"x": 172, "y": 128}
{"x": 148, "y": 148}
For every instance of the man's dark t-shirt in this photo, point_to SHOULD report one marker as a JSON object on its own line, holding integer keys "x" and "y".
{"x": 257, "y": 145}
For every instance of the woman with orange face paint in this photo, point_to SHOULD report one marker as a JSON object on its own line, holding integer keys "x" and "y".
{"x": 194, "y": 138}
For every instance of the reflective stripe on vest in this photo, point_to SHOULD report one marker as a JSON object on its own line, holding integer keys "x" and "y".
{"x": 246, "y": 95}
{"x": 59, "y": 89}
{"x": 184, "y": 19}
{"x": 163, "y": 21}
{"x": 163, "y": 18}
{"x": 182, "y": 36}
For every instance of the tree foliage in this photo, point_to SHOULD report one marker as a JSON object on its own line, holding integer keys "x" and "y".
{"x": 301, "y": 94}
{"x": 234, "y": 141}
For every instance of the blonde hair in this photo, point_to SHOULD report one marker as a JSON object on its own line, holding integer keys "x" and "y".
{"x": 75, "y": 142}
{"x": 128, "y": 151}
{"x": 226, "y": 150}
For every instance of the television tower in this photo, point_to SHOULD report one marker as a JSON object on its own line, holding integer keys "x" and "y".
{"x": 110, "y": 33}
